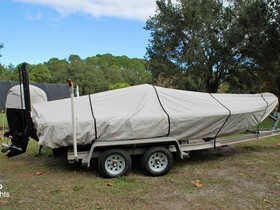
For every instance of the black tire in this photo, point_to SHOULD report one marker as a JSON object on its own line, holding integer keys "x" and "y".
{"x": 157, "y": 161}
{"x": 114, "y": 163}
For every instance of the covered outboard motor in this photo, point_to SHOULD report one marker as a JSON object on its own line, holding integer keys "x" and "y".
{"x": 18, "y": 110}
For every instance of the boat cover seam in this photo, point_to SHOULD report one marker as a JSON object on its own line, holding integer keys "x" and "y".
{"x": 92, "y": 113}
{"x": 168, "y": 117}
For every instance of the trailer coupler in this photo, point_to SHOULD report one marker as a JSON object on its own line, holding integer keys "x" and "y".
{"x": 18, "y": 146}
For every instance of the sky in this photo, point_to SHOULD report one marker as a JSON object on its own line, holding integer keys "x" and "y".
{"x": 34, "y": 31}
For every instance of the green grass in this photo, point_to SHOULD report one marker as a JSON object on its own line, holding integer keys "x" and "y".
{"x": 3, "y": 120}
{"x": 266, "y": 124}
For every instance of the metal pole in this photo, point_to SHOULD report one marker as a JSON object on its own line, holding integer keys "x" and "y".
{"x": 70, "y": 83}
{"x": 27, "y": 100}
{"x": 77, "y": 91}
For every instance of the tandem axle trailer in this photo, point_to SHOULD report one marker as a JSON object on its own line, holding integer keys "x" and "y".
{"x": 157, "y": 159}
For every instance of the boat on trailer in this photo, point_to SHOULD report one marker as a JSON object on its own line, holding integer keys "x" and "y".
{"x": 145, "y": 119}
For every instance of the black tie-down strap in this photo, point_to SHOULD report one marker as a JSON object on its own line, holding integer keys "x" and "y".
{"x": 95, "y": 126}
{"x": 229, "y": 114}
{"x": 168, "y": 117}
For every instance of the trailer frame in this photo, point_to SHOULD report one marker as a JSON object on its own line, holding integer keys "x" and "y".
{"x": 181, "y": 148}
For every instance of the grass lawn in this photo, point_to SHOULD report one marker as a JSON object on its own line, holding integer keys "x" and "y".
{"x": 3, "y": 121}
{"x": 242, "y": 176}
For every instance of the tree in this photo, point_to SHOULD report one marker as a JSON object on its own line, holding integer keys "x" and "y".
{"x": 207, "y": 45}
{"x": 2, "y": 70}
{"x": 93, "y": 74}
{"x": 258, "y": 22}
{"x": 40, "y": 73}
{"x": 1, "y": 46}
{"x": 11, "y": 73}
{"x": 118, "y": 69}
{"x": 58, "y": 70}
{"x": 92, "y": 80}
{"x": 88, "y": 76}
{"x": 112, "y": 74}
{"x": 194, "y": 47}
{"x": 118, "y": 85}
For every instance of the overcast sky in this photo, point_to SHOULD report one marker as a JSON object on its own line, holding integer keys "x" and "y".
{"x": 35, "y": 31}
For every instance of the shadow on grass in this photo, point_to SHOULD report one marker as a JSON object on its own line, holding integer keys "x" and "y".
{"x": 196, "y": 157}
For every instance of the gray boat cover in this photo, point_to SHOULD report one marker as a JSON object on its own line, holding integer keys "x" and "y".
{"x": 146, "y": 111}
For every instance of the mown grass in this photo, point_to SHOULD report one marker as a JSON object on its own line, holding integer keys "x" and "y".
{"x": 3, "y": 120}
{"x": 244, "y": 176}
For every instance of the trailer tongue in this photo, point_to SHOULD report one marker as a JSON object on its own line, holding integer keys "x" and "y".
{"x": 143, "y": 120}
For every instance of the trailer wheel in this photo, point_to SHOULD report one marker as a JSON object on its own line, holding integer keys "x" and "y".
{"x": 114, "y": 162}
{"x": 157, "y": 161}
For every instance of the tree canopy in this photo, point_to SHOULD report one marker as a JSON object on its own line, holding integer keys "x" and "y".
{"x": 93, "y": 74}
{"x": 1, "y": 46}
{"x": 208, "y": 45}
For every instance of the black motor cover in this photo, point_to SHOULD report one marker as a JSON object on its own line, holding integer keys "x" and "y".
{"x": 17, "y": 131}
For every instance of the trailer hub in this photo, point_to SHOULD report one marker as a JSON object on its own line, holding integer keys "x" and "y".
{"x": 115, "y": 163}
